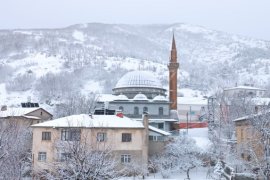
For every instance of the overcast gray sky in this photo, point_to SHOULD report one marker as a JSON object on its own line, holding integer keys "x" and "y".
{"x": 244, "y": 17}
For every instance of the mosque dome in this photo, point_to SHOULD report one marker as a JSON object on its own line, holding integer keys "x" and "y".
{"x": 160, "y": 98}
{"x": 139, "y": 79}
{"x": 140, "y": 97}
{"x": 121, "y": 97}
{"x": 136, "y": 82}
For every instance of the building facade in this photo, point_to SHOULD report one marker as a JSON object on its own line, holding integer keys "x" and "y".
{"x": 24, "y": 116}
{"x": 127, "y": 139}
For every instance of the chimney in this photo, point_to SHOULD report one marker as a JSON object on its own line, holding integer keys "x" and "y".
{"x": 29, "y": 99}
{"x": 90, "y": 115}
{"x": 145, "y": 119}
{"x": 4, "y": 108}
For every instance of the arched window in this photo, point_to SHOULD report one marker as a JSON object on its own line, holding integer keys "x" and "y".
{"x": 136, "y": 111}
{"x": 160, "y": 111}
{"x": 121, "y": 108}
{"x": 145, "y": 109}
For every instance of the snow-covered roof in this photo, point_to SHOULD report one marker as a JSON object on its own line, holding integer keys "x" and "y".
{"x": 140, "y": 97}
{"x": 244, "y": 88}
{"x": 242, "y": 118}
{"x": 191, "y": 100}
{"x": 92, "y": 121}
{"x": 17, "y": 111}
{"x": 159, "y": 131}
{"x": 160, "y": 98}
{"x": 159, "y": 120}
{"x": 139, "y": 79}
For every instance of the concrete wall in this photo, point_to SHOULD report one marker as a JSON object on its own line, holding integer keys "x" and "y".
{"x": 153, "y": 108}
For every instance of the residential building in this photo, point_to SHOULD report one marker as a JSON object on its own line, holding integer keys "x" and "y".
{"x": 24, "y": 115}
{"x": 251, "y": 144}
{"x": 126, "y": 138}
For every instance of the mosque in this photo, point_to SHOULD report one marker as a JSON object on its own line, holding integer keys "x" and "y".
{"x": 140, "y": 91}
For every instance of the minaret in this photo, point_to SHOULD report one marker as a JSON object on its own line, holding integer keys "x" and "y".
{"x": 173, "y": 67}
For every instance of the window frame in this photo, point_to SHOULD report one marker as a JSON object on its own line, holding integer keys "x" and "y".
{"x": 101, "y": 137}
{"x": 160, "y": 111}
{"x": 126, "y": 137}
{"x": 125, "y": 158}
{"x": 136, "y": 110}
{"x": 65, "y": 156}
{"x": 46, "y": 136}
{"x": 42, "y": 156}
{"x": 70, "y": 134}
{"x": 145, "y": 109}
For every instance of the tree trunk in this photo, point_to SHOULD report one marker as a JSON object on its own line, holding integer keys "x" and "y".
{"x": 188, "y": 174}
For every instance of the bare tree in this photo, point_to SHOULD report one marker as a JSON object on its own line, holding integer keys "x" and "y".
{"x": 76, "y": 104}
{"x": 15, "y": 151}
{"x": 81, "y": 160}
{"x": 180, "y": 155}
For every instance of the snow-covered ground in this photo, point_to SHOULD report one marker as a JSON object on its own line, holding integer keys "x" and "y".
{"x": 195, "y": 174}
{"x": 201, "y": 137}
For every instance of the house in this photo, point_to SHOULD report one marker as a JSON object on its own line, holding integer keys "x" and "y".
{"x": 126, "y": 138}
{"x": 193, "y": 109}
{"x": 240, "y": 91}
{"x": 253, "y": 138}
{"x": 24, "y": 115}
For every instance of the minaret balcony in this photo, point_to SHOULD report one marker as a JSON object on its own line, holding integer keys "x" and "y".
{"x": 173, "y": 65}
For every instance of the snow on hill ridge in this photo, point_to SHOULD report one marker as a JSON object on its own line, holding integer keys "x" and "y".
{"x": 101, "y": 53}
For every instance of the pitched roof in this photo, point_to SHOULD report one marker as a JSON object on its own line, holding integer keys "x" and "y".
{"x": 17, "y": 111}
{"x": 245, "y": 88}
{"x": 152, "y": 128}
{"x": 92, "y": 121}
{"x": 10, "y": 112}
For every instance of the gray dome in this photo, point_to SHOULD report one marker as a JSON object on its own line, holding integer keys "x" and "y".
{"x": 138, "y": 79}
{"x": 140, "y": 97}
{"x": 160, "y": 98}
{"x": 121, "y": 97}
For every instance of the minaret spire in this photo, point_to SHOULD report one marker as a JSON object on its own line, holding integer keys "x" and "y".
{"x": 173, "y": 68}
{"x": 173, "y": 43}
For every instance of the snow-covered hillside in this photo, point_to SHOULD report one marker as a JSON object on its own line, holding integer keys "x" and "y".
{"x": 48, "y": 64}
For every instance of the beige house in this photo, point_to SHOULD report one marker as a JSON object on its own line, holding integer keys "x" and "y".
{"x": 248, "y": 139}
{"x": 126, "y": 138}
{"x": 24, "y": 115}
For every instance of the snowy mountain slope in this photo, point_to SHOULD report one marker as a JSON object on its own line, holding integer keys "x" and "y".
{"x": 92, "y": 57}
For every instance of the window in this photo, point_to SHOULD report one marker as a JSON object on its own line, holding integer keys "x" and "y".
{"x": 121, "y": 108}
{"x": 156, "y": 138}
{"x": 126, "y": 137}
{"x": 46, "y": 135}
{"x": 70, "y": 135}
{"x": 42, "y": 156}
{"x": 160, "y": 111}
{"x": 160, "y": 125}
{"x": 41, "y": 113}
{"x": 136, "y": 111}
{"x": 145, "y": 109}
{"x": 65, "y": 156}
{"x": 125, "y": 158}
{"x": 101, "y": 137}
{"x": 242, "y": 134}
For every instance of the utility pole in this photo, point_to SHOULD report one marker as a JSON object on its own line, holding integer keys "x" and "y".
{"x": 187, "y": 123}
